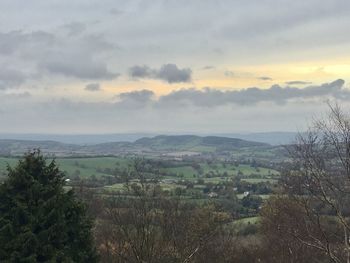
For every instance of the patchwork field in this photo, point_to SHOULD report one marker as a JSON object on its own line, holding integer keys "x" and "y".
{"x": 193, "y": 180}
{"x": 107, "y": 166}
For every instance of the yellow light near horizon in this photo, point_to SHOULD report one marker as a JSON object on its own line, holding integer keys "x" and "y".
{"x": 243, "y": 77}
{"x": 343, "y": 69}
{"x": 158, "y": 87}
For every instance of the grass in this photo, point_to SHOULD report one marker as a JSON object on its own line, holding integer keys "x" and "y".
{"x": 104, "y": 166}
{"x": 115, "y": 187}
{"x": 247, "y": 220}
{"x": 259, "y": 180}
{"x": 90, "y": 166}
{"x": 4, "y": 162}
{"x": 219, "y": 169}
{"x": 264, "y": 197}
{"x": 86, "y": 166}
{"x": 186, "y": 171}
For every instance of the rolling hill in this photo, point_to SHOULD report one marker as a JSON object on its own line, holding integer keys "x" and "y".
{"x": 193, "y": 143}
{"x": 158, "y": 144}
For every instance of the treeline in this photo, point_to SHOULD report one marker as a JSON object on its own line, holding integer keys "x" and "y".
{"x": 41, "y": 221}
{"x": 306, "y": 220}
{"x": 145, "y": 225}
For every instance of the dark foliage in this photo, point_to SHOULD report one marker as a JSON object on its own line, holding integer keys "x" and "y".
{"x": 40, "y": 221}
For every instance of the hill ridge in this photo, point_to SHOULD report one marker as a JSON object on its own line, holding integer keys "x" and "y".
{"x": 157, "y": 144}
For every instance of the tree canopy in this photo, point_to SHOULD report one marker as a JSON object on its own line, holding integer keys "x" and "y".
{"x": 40, "y": 220}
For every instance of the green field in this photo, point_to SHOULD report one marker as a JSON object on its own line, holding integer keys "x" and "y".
{"x": 219, "y": 169}
{"x": 186, "y": 171}
{"x": 86, "y": 166}
{"x": 260, "y": 180}
{"x": 247, "y": 220}
{"x": 213, "y": 172}
{"x": 4, "y": 162}
{"x": 92, "y": 166}
{"x": 175, "y": 178}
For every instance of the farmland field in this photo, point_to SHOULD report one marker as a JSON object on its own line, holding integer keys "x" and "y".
{"x": 104, "y": 166}
{"x": 194, "y": 180}
{"x": 86, "y": 166}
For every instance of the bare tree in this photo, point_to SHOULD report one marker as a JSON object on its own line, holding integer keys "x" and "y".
{"x": 143, "y": 225}
{"x": 318, "y": 185}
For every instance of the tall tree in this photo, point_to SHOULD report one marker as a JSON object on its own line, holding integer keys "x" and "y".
{"x": 313, "y": 209}
{"x": 142, "y": 224}
{"x": 40, "y": 221}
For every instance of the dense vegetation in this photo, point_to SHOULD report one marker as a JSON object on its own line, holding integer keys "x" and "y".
{"x": 39, "y": 220}
{"x": 188, "y": 209}
{"x": 175, "y": 146}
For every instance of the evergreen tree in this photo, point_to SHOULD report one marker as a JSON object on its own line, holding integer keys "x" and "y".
{"x": 40, "y": 221}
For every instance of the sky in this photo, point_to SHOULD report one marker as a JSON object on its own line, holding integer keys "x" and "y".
{"x": 166, "y": 66}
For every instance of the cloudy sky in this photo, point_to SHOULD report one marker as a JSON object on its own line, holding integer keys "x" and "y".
{"x": 184, "y": 66}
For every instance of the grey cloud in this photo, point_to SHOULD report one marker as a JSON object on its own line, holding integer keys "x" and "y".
{"x": 209, "y": 97}
{"x": 168, "y": 72}
{"x": 141, "y": 72}
{"x": 229, "y": 73}
{"x": 236, "y": 27}
{"x": 21, "y": 95}
{"x": 135, "y": 99}
{"x": 172, "y": 74}
{"x": 96, "y": 43}
{"x": 298, "y": 82}
{"x": 79, "y": 57}
{"x": 74, "y": 28}
{"x": 265, "y": 78}
{"x": 77, "y": 66}
{"x": 260, "y": 21}
{"x": 208, "y": 67}
{"x": 93, "y": 87}
{"x": 11, "y": 41}
{"x": 115, "y": 11}
{"x": 10, "y": 78}
{"x": 240, "y": 33}
{"x": 56, "y": 116}
{"x": 141, "y": 96}
{"x": 184, "y": 110}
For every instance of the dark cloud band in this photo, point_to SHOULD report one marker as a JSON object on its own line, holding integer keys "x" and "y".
{"x": 210, "y": 97}
{"x": 168, "y": 72}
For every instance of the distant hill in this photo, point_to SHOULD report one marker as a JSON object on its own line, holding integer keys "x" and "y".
{"x": 18, "y": 147}
{"x": 195, "y": 143}
{"x": 273, "y": 138}
{"x": 158, "y": 144}
{"x": 81, "y": 139}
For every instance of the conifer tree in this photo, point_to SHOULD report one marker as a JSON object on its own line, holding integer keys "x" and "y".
{"x": 40, "y": 221}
